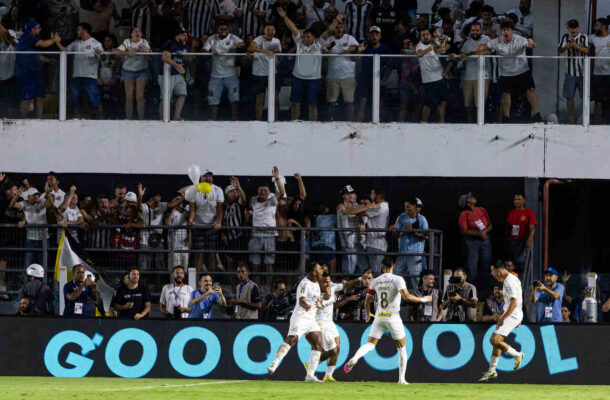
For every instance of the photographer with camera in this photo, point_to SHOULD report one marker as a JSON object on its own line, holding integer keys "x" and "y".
{"x": 278, "y": 304}
{"x": 350, "y": 304}
{"x": 202, "y": 300}
{"x": 77, "y": 291}
{"x": 460, "y": 299}
{"x": 548, "y": 297}
{"x": 175, "y": 297}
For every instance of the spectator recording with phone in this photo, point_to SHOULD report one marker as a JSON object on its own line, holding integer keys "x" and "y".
{"x": 460, "y": 299}
{"x": 202, "y": 300}
{"x": 548, "y": 297}
{"x": 77, "y": 291}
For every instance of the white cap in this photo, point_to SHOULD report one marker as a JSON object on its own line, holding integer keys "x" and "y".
{"x": 229, "y": 188}
{"x": 35, "y": 270}
{"x": 131, "y": 197}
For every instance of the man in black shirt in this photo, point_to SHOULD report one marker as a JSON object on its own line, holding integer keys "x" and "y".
{"x": 133, "y": 300}
{"x": 385, "y": 16}
{"x": 39, "y": 295}
{"x": 8, "y": 237}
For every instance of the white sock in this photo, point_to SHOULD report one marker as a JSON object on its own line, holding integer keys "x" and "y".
{"x": 329, "y": 371}
{"x": 493, "y": 362}
{"x": 512, "y": 352}
{"x": 281, "y": 353}
{"x": 314, "y": 360}
{"x": 402, "y": 363}
{"x": 365, "y": 348}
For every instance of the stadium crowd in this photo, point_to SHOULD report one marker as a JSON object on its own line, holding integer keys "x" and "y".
{"x": 212, "y": 222}
{"x": 117, "y": 78}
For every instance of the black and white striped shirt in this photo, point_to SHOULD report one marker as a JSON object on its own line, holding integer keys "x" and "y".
{"x": 233, "y": 216}
{"x": 250, "y": 23}
{"x": 574, "y": 57}
{"x": 141, "y": 18}
{"x": 200, "y": 17}
{"x": 356, "y": 16}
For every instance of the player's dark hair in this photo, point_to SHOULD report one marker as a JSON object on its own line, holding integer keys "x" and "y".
{"x": 311, "y": 266}
{"x": 387, "y": 262}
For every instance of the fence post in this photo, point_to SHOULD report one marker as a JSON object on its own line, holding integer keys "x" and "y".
{"x": 586, "y": 93}
{"x": 481, "y": 92}
{"x": 192, "y": 278}
{"x": 45, "y": 249}
{"x": 376, "y": 87}
{"x": 431, "y": 251}
{"x": 303, "y": 249}
{"x": 167, "y": 95}
{"x": 271, "y": 90}
{"x": 63, "y": 279}
{"x": 63, "y": 84}
{"x": 170, "y": 245}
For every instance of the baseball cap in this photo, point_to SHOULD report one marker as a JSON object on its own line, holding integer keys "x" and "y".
{"x": 229, "y": 188}
{"x": 35, "y": 270}
{"x": 374, "y": 28}
{"x": 207, "y": 172}
{"x": 179, "y": 31}
{"x": 131, "y": 197}
{"x": 346, "y": 189}
{"x": 34, "y": 193}
{"x": 418, "y": 202}
{"x": 30, "y": 25}
{"x": 551, "y": 271}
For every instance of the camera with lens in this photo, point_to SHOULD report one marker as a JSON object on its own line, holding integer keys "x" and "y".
{"x": 537, "y": 283}
{"x": 155, "y": 240}
{"x": 455, "y": 280}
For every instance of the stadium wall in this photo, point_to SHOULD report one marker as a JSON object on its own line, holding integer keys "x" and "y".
{"x": 314, "y": 149}
{"x": 555, "y": 354}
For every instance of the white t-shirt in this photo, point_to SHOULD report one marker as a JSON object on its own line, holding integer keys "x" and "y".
{"x": 602, "y": 49}
{"x": 70, "y": 215}
{"x": 35, "y": 214}
{"x": 311, "y": 291}
{"x": 135, "y": 63}
{"x": 172, "y": 296}
{"x": 179, "y": 235}
{"x": 326, "y": 312}
{"x": 206, "y": 206}
{"x": 314, "y": 14}
{"x": 60, "y": 196}
{"x": 341, "y": 67}
{"x": 472, "y": 63}
{"x": 430, "y": 65}
{"x": 85, "y": 65}
{"x": 513, "y": 61}
{"x": 387, "y": 289}
{"x": 151, "y": 217}
{"x": 377, "y": 219}
{"x": 223, "y": 66}
{"x": 263, "y": 214}
{"x": 260, "y": 65}
{"x": 226, "y": 7}
{"x": 7, "y": 61}
{"x": 510, "y": 289}
{"x": 308, "y": 66}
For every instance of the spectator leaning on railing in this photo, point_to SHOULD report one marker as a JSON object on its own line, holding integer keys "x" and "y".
{"x": 548, "y": 297}
{"x": 575, "y": 46}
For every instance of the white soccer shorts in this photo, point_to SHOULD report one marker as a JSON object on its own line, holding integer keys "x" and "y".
{"x": 302, "y": 326}
{"x": 381, "y": 325}
{"x": 507, "y": 327}
{"x": 329, "y": 333}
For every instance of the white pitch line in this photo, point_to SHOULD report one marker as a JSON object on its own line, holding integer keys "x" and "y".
{"x": 168, "y": 386}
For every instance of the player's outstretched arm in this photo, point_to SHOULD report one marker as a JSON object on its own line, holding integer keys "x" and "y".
{"x": 367, "y": 307}
{"x": 414, "y": 299}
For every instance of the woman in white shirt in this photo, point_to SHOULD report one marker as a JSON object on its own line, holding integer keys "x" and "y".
{"x": 135, "y": 71}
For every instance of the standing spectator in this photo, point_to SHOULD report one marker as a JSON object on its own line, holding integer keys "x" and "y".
{"x": 71, "y": 214}
{"x": 100, "y": 214}
{"x": 77, "y": 291}
{"x": 253, "y": 14}
{"x": 600, "y": 82}
{"x": 247, "y": 303}
{"x": 494, "y": 305}
{"x": 8, "y": 83}
{"x": 460, "y": 299}
{"x": 314, "y": 12}
{"x": 202, "y": 300}
{"x": 376, "y": 243}
{"x": 109, "y": 77}
{"x": 409, "y": 85}
{"x": 520, "y": 229}
{"x": 350, "y": 304}
{"x": 39, "y": 294}
{"x": 132, "y": 301}
{"x": 386, "y": 17}
{"x": 52, "y": 186}
{"x": 475, "y": 225}
{"x": 470, "y": 80}
{"x": 173, "y": 55}
{"x": 180, "y": 235}
{"x": 278, "y": 305}
{"x": 410, "y": 242}
{"x": 263, "y": 48}
{"x": 341, "y": 75}
{"x": 307, "y": 68}
{"x": 84, "y": 74}
{"x": 324, "y": 240}
{"x": 233, "y": 239}
{"x": 8, "y": 215}
{"x": 176, "y": 297}
{"x": 35, "y": 212}
{"x": 515, "y": 73}
{"x": 142, "y": 14}
{"x": 99, "y": 17}
{"x": 264, "y": 207}
{"x": 128, "y": 237}
{"x": 575, "y": 45}
{"x": 224, "y": 71}
{"x": 63, "y": 17}
{"x": 426, "y": 312}
{"x": 548, "y": 297}
{"x": 134, "y": 72}
{"x": 28, "y": 68}
{"x": 357, "y": 14}
{"x": 364, "y": 88}
{"x": 431, "y": 76}
{"x": 200, "y": 17}
{"x": 207, "y": 210}
{"x": 525, "y": 19}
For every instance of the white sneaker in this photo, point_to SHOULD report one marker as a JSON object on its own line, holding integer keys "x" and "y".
{"x": 403, "y": 382}
{"x": 271, "y": 369}
{"x": 518, "y": 361}
{"x": 312, "y": 378}
{"x": 488, "y": 376}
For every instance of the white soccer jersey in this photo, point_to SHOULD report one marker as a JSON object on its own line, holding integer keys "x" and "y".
{"x": 510, "y": 289}
{"x": 325, "y": 313}
{"x": 387, "y": 289}
{"x": 311, "y": 291}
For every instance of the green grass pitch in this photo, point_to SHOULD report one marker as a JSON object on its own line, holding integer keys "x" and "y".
{"x": 26, "y": 388}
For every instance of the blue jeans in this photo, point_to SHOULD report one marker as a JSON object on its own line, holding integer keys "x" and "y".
{"x": 350, "y": 261}
{"x": 89, "y": 86}
{"x": 477, "y": 257}
{"x": 32, "y": 257}
{"x": 409, "y": 265}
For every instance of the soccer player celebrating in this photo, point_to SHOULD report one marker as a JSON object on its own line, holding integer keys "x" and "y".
{"x": 511, "y": 318}
{"x": 303, "y": 322}
{"x": 387, "y": 290}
